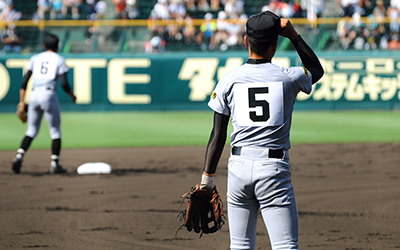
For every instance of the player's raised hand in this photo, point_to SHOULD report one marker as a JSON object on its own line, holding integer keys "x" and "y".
{"x": 287, "y": 29}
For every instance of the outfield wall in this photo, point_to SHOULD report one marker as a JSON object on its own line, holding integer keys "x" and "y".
{"x": 184, "y": 81}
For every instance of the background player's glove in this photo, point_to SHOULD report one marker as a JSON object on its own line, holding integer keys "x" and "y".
{"x": 203, "y": 211}
{"x": 22, "y": 109}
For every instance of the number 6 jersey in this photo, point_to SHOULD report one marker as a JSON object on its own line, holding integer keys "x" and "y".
{"x": 260, "y": 97}
{"x": 46, "y": 67}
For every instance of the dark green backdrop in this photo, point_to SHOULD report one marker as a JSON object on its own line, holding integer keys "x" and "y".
{"x": 181, "y": 81}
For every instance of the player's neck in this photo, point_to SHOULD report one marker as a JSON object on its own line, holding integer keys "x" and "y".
{"x": 255, "y": 56}
{"x": 268, "y": 56}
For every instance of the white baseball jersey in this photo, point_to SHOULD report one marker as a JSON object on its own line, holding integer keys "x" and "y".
{"x": 46, "y": 67}
{"x": 260, "y": 99}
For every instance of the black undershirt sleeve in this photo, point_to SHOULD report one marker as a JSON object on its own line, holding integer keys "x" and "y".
{"x": 26, "y": 79}
{"x": 64, "y": 83}
{"x": 308, "y": 58}
{"x": 216, "y": 142}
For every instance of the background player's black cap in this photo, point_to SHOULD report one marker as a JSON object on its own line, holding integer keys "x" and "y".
{"x": 265, "y": 25}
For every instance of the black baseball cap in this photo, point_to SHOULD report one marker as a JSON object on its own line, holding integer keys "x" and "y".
{"x": 265, "y": 25}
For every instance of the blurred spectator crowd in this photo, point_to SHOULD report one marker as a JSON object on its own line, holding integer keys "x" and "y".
{"x": 10, "y": 36}
{"x": 362, "y": 25}
{"x": 214, "y": 33}
{"x": 70, "y": 9}
{"x": 369, "y": 24}
{"x": 224, "y": 21}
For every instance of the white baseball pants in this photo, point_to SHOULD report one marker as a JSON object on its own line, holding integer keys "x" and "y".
{"x": 264, "y": 184}
{"x": 44, "y": 102}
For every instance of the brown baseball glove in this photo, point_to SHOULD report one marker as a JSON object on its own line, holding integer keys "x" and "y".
{"x": 22, "y": 109}
{"x": 203, "y": 211}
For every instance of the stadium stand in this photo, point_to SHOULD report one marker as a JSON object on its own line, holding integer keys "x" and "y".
{"x": 122, "y": 38}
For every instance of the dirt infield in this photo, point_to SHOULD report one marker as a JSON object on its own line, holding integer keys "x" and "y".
{"x": 348, "y": 196}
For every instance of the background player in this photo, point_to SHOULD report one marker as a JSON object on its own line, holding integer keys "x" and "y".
{"x": 45, "y": 68}
{"x": 260, "y": 97}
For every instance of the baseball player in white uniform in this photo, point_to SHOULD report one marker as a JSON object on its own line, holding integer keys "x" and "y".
{"x": 45, "y": 68}
{"x": 259, "y": 97}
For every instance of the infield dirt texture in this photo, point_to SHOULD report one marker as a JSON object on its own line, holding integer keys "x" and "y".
{"x": 348, "y": 197}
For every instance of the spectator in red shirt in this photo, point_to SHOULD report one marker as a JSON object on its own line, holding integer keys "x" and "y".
{"x": 120, "y": 9}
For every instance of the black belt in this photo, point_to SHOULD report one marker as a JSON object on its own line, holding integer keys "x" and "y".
{"x": 48, "y": 88}
{"x": 272, "y": 153}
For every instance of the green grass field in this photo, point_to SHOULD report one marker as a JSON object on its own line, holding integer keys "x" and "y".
{"x": 133, "y": 129}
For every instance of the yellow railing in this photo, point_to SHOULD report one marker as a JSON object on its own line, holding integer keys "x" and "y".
{"x": 145, "y": 22}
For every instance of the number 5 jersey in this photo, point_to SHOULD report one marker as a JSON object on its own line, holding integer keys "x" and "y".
{"x": 260, "y": 97}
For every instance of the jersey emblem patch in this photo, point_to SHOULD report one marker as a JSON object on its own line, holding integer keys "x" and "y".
{"x": 214, "y": 95}
{"x": 306, "y": 72}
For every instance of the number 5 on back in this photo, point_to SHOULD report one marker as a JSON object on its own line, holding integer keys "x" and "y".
{"x": 259, "y": 104}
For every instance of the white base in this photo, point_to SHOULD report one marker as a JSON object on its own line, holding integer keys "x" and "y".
{"x": 94, "y": 168}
